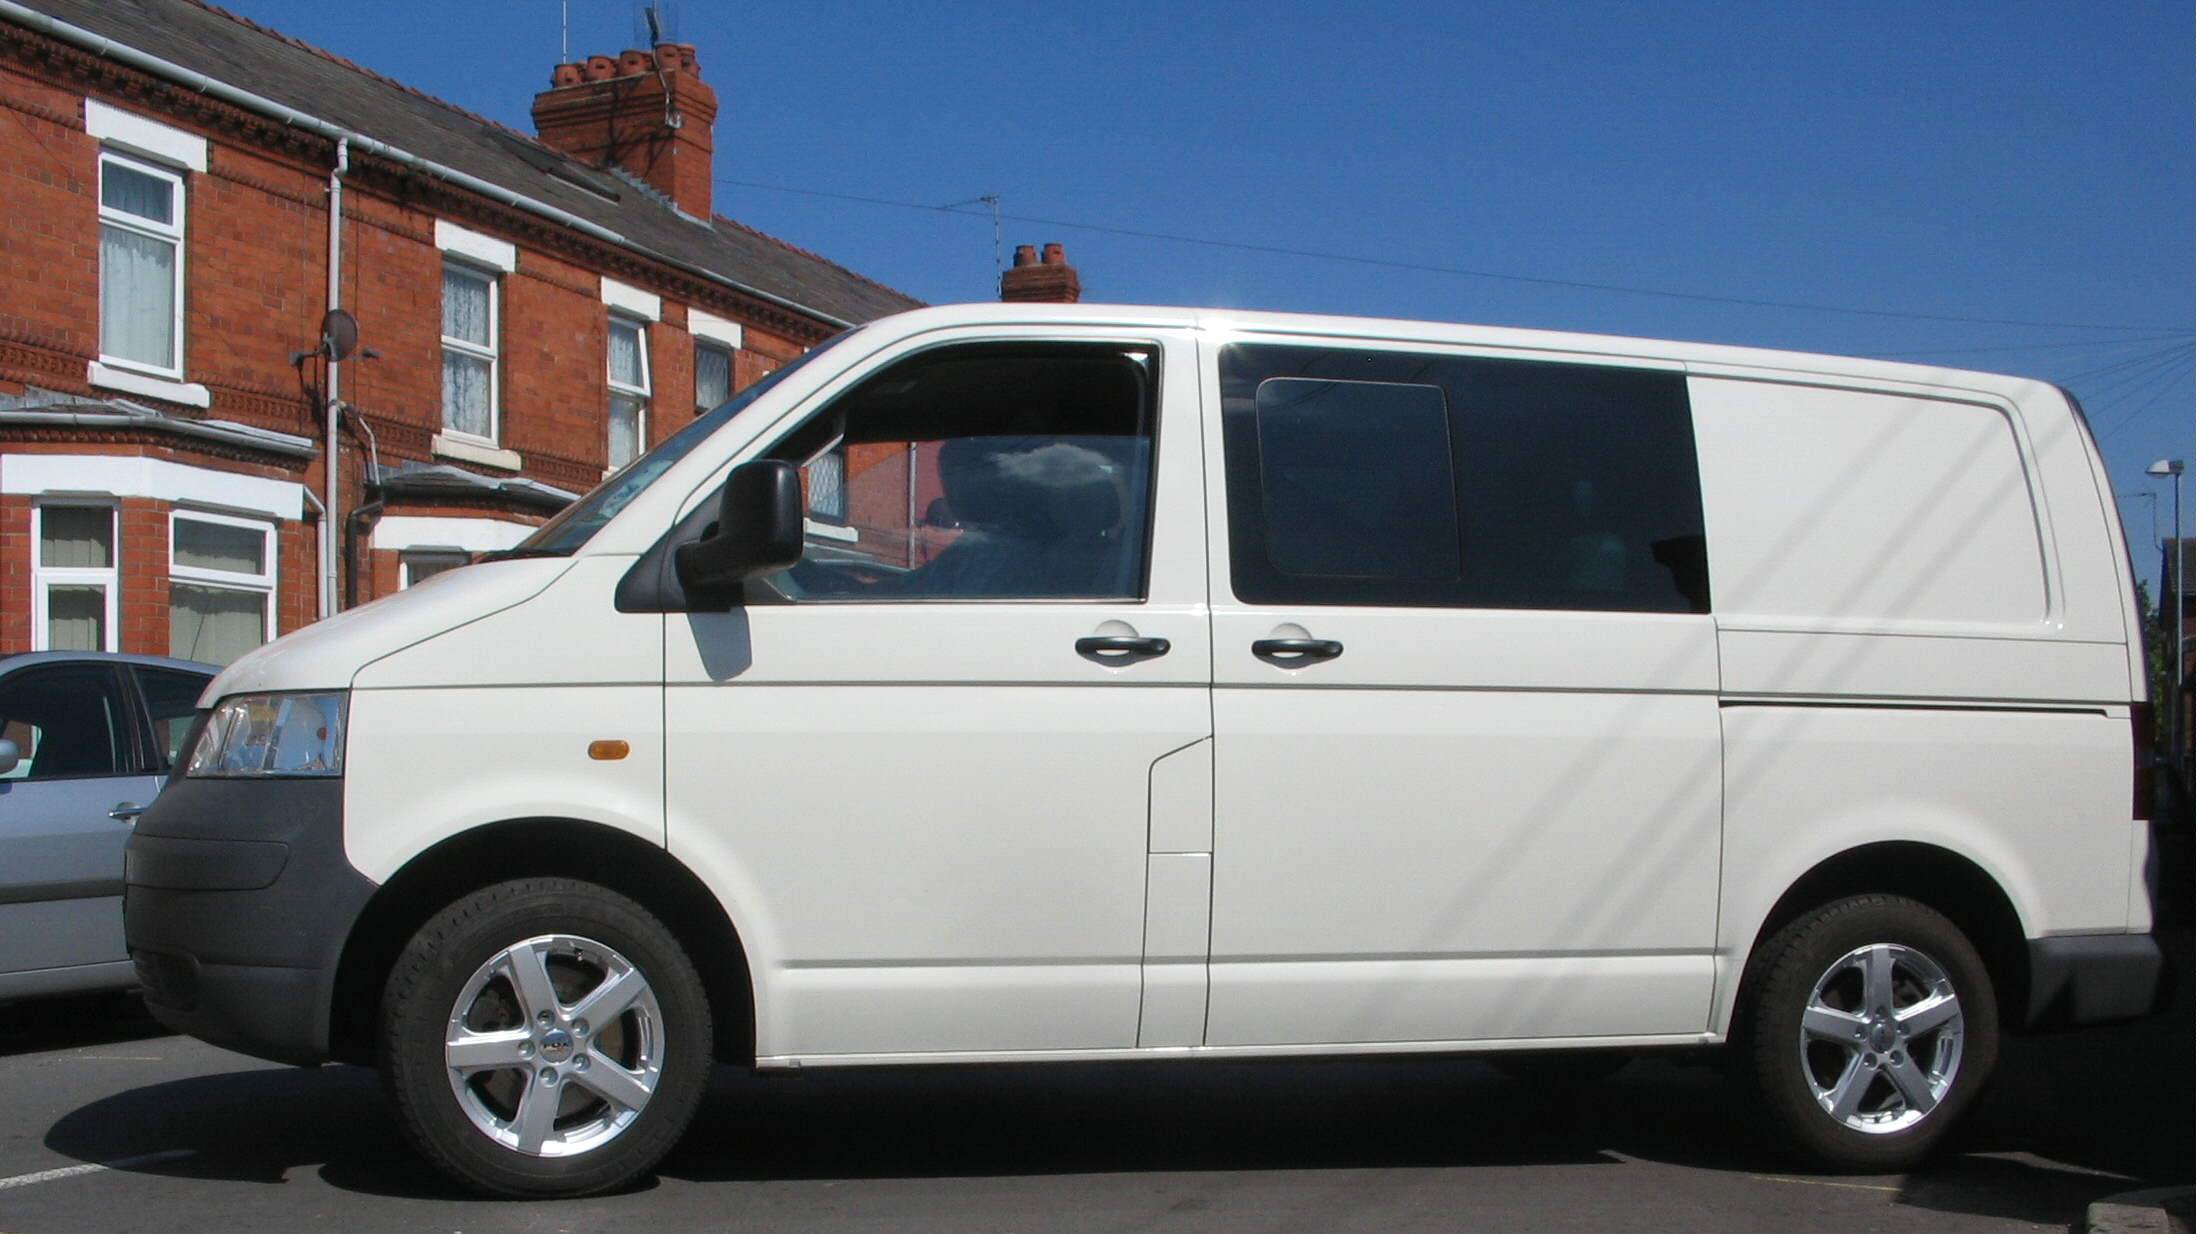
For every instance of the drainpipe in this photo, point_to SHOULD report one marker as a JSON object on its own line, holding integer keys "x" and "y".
{"x": 358, "y": 525}
{"x": 326, "y": 539}
{"x": 333, "y": 386}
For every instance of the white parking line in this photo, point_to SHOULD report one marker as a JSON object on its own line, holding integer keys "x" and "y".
{"x": 127, "y": 1163}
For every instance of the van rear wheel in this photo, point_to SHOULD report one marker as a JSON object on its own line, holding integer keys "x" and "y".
{"x": 1870, "y": 1024}
{"x": 545, "y": 1037}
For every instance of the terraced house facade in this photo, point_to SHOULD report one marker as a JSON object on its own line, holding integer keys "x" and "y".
{"x": 279, "y": 335}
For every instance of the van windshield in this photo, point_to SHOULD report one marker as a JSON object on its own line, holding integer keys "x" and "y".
{"x": 577, "y": 523}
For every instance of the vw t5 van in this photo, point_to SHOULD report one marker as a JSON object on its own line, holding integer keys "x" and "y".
{"x": 1013, "y": 682}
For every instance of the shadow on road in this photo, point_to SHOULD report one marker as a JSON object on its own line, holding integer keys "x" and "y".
{"x": 2072, "y": 1118}
{"x": 80, "y": 1020}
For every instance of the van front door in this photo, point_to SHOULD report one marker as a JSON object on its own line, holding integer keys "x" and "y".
{"x": 1467, "y": 774}
{"x": 921, "y": 770}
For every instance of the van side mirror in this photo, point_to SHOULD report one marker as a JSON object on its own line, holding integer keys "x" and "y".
{"x": 757, "y": 532}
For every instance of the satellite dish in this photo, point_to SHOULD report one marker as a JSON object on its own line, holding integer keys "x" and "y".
{"x": 338, "y": 334}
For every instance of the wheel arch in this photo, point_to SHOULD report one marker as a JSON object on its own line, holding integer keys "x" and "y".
{"x": 1937, "y": 877}
{"x": 535, "y": 847}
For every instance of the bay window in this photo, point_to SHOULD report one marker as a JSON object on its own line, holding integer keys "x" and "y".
{"x": 221, "y": 581}
{"x": 74, "y": 581}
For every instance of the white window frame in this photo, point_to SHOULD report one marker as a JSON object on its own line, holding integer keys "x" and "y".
{"x": 44, "y": 577}
{"x": 642, "y": 392}
{"x": 492, "y": 353}
{"x": 440, "y": 558}
{"x": 229, "y": 580}
{"x": 172, "y": 234}
{"x": 731, "y": 367}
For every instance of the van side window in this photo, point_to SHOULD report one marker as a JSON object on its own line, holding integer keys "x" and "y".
{"x": 1356, "y": 479}
{"x": 1381, "y": 477}
{"x": 984, "y": 472}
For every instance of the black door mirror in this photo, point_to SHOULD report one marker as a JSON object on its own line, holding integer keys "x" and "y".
{"x": 757, "y": 532}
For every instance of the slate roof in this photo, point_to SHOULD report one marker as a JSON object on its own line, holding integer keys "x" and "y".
{"x": 243, "y": 54}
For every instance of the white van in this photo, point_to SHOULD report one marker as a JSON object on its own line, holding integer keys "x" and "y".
{"x": 1020, "y": 682}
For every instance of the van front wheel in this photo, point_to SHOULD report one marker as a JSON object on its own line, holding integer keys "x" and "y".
{"x": 1870, "y": 1025}
{"x": 545, "y": 1037}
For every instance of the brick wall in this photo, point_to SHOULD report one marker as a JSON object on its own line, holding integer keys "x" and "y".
{"x": 255, "y": 257}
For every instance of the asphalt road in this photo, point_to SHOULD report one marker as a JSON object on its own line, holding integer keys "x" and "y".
{"x": 115, "y": 1126}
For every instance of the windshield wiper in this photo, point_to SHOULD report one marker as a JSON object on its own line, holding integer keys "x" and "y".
{"x": 512, "y": 554}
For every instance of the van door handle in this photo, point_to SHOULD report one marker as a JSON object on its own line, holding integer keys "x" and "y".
{"x": 1295, "y": 652}
{"x": 1120, "y": 648}
{"x": 126, "y": 812}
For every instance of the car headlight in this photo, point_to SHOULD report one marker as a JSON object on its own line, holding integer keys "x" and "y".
{"x": 272, "y": 735}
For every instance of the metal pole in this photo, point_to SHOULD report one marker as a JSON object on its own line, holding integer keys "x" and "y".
{"x": 2180, "y": 633}
{"x": 333, "y": 369}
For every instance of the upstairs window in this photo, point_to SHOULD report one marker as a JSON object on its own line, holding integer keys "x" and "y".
{"x": 469, "y": 339}
{"x": 712, "y": 376}
{"x": 628, "y": 388}
{"x": 141, "y": 209}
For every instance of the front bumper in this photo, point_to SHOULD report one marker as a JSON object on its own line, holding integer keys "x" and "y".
{"x": 2095, "y": 979}
{"x": 238, "y": 905}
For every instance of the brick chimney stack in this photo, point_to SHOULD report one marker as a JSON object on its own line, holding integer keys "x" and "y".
{"x": 648, "y": 113}
{"x": 1048, "y": 280}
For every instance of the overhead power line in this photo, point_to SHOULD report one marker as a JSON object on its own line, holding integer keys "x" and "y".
{"x": 1465, "y": 272}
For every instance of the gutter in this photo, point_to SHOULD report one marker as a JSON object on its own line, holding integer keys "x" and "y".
{"x": 232, "y": 435}
{"x": 101, "y": 45}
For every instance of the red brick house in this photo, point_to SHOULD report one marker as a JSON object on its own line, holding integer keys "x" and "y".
{"x": 194, "y": 455}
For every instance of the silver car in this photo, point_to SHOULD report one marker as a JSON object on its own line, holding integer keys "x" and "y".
{"x": 86, "y": 740}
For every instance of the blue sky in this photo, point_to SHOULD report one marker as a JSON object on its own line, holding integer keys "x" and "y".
{"x": 2012, "y": 162}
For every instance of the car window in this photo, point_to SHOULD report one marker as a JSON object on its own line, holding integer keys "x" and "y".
{"x": 1362, "y": 476}
{"x": 65, "y": 720}
{"x": 171, "y": 702}
{"x": 985, "y": 472}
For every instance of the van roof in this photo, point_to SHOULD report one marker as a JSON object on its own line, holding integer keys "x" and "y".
{"x": 1547, "y": 344}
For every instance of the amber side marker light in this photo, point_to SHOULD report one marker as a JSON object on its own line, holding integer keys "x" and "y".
{"x": 608, "y": 751}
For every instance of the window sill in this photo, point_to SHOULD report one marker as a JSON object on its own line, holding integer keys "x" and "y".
{"x": 831, "y": 531}
{"x": 446, "y": 446}
{"x": 166, "y": 389}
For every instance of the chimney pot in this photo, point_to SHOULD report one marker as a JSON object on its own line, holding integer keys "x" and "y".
{"x": 614, "y": 110}
{"x": 1040, "y": 280}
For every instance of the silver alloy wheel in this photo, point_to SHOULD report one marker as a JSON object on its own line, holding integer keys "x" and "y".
{"x": 1880, "y": 1038}
{"x": 554, "y": 1045}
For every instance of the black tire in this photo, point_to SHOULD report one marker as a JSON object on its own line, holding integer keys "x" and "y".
{"x": 1859, "y": 1080}
{"x": 557, "y": 1107}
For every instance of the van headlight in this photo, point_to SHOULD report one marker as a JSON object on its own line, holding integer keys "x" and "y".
{"x": 272, "y": 735}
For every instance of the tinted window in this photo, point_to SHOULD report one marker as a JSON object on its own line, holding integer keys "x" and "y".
{"x": 1374, "y": 477}
{"x": 171, "y": 701}
{"x": 66, "y": 721}
{"x": 1356, "y": 479}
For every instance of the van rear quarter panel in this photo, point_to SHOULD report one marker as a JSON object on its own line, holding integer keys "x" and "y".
{"x": 1922, "y": 625}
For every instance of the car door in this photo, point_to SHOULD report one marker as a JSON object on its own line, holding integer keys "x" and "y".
{"x": 924, "y": 763}
{"x": 65, "y": 811}
{"x": 1467, "y": 773}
